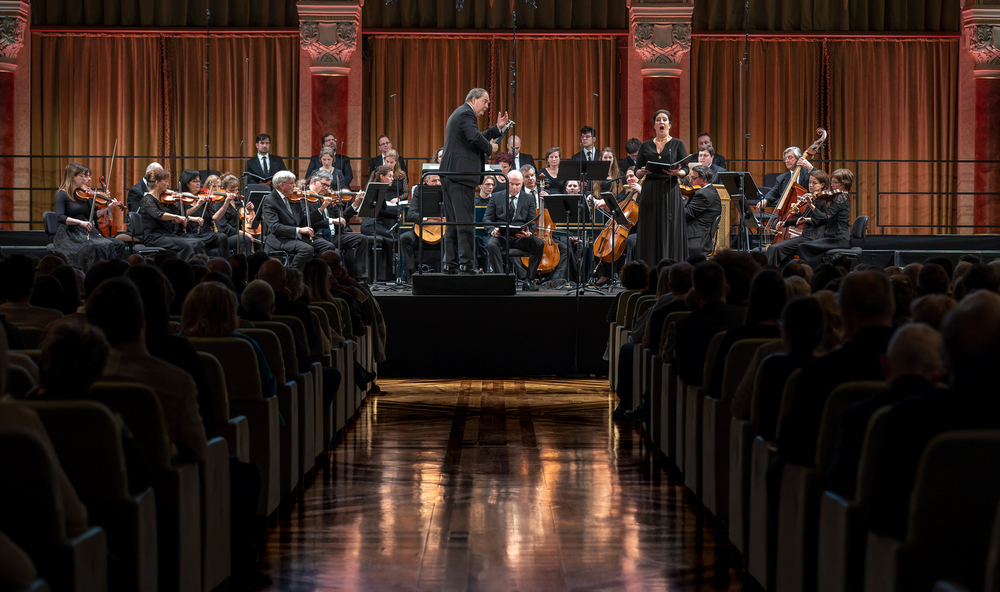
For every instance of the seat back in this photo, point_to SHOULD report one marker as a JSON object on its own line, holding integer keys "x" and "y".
{"x": 345, "y": 317}
{"x": 287, "y": 341}
{"x": 842, "y": 397}
{"x": 623, "y": 304}
{"x": 269, "y": 344}
{"x": 670, "y": 320}
{"x": 50, "y": 223}
{"x": 322, "y": 321}
{"x": 135, "y": 223}
{"x": 737, "y": 361}
{"x": 714, "y": 232}
{"x": 645, "y": 303}
{"x": 140, "y": 409}
{"x": 633, "y": 304}
{"x": 31, "y": 336}
{"x": 238, "y": 361}
{"x": 859, "y": 228}
{"x": 333, "y": 315}
{"x": 297, "y": 327}
{"x": 19, "y": 381}
{"x": 29, "y": 487}
{"x": 217, "y": 385}
{"x": 710, "y": 355}
{"x": 787, "y": 393}
{"x": 874, "y": 434}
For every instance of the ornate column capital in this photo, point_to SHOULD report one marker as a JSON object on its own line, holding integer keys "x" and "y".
{"x": 981, "y": 35}
{"x": 328, "y": 31}
{"x": 13, "y": 25}
{"x": 661, "y": 35}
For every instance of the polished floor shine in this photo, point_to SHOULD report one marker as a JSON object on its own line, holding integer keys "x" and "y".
{"x": 496, "y": 486}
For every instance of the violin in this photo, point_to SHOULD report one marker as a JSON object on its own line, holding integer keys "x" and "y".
{"x": 300, "y": 195}
{"x": 172, "y": 197}
{"x": 793, "y": 192}
{"x": 101, "y": 197}
{"x": 216, "y": 196}
{"x": 688, "y": 190}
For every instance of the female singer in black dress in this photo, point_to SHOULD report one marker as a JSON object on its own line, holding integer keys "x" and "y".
{"x": 74, "y": 225}
{"x": 661, "y": 210}
{"x": 163, "y": 224}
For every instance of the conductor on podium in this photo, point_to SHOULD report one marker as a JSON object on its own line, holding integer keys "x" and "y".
{"x": 465, "y": 151}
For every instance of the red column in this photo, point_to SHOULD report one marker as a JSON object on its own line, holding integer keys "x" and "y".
{"x": 330, "y": 95}
{"x": 6, "y": 145}
{"x": 662, "y": 92}
{"x": 987, "y": 176}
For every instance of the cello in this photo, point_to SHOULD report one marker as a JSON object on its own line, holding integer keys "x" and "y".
{"x": 550, "y": 250}
{"x": 793, "y": 193}
{"x": 613, "y": 233}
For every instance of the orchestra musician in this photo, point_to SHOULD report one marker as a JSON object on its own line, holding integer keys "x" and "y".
{"x": 140, "y": 189}
{"x": 552, "y": 185}
{"x": 630, "y": 186}
{"x": 227, "y": 215}
{"x": 201, "y": 225}
{"x": 164, "y": 224}
{"x": 75, "y": 225}
{"x": 291, "y": 227}
{"x": 778, "y": 253}
{"x": 438, "y": 155}
{"x": 520, "y": 158}
{"x": 339, "y": 161}
{"x": 793, "y": 158}
{"x": 264, "y": 165}
{"x": 384, "y": 145}
{"x": 409, "y": 240}
{"x": 566, "y": 269}
{"x": 588, "y": 151}
{"x": 516, "y": 210}
{"x": 506, "y": 161}
{"x": 704, "y": 139}
{"x": 701, "y": 210}
{"x": 661, "y": 225}
{"x": 486, "y": 190}
{"x": 399, "y": 189}
{"x": 835, "y": 217}
{"x": 381, "y": 225}
{"x": 465, "y": 151}
{"x": 337, "y": 218}
{"x": 632, "y": 152}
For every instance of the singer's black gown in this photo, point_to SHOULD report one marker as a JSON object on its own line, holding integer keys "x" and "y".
{"x": 661, "y": 225}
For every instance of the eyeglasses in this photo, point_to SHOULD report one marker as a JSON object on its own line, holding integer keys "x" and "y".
{"x": 326, "y": 184}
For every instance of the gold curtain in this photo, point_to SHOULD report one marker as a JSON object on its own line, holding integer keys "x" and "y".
{"x": 148, "y": 91}
{"x": 830, "y": 15}
{"x": 897, "y": 100}
{"x": 431, "y": 76}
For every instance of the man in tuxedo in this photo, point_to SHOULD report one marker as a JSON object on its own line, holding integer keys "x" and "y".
{"x": 706, "y": 140}
{"x": 340, "y": 162}
{"x": 409, "y": 240}
{"x": 632, "y": 151}
{"x": 264, "y": 165}
{"x": 589, "y": 151}
{"x": 384, "y": 146}
{"x": 141, "y": 188}
{"x": 520, "y": 158}
{"x": 516, "y": 210}
{"x": 292, "y": 227}
{"x": 793, "y": 158}
{"x": 706, "y": 157}
{"x": 336, "y": 216}
{"x": 465, "y": 151}
{"x": 700, "y": 211}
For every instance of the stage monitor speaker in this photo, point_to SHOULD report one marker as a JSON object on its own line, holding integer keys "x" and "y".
{"x": 486, "y": 284}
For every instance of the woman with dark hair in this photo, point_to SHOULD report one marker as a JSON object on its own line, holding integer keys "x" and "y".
{"x": 836, "y": 217}
{"x": 203, "y": 227}
{"x": 77, "y": 236}
{"x": 661, "y": 226}
{"x": 438, "y": 155}
{"x": 386, "y": 219}
{"x": 777, "y": 254}
{"x": 47, "y": 293}
{"x": 164, "y": 224}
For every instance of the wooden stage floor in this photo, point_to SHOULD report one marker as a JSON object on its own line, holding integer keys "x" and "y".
{"x": 496, "y": 486}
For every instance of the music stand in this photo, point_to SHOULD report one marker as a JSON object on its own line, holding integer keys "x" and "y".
{"x": 256, "y": 193}
{"x": 371, "y": 205}
{"x": 431, "y": 206}
{"x": 740, "y": 185}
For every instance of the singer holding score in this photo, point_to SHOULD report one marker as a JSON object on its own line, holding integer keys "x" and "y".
{"x": 661, "y": 224}
{"x": 465, "y": 151}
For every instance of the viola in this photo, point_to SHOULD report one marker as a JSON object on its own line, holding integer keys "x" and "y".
{"x": 688, "y": 190}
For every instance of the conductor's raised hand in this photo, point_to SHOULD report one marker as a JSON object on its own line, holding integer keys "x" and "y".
{"x": 502, "y": 119}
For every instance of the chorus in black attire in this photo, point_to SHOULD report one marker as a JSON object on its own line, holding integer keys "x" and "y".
{"x": 337, "y": 162}
{"x": 74, "y": 227}
{"x": 547, "y": 176}
{"x": 836, "y": 218}
{"x": 163, "y": 224}
{"x": 264, "y": 165}
{"x": 662, "y": 221}
{"x": 202, "y": 225}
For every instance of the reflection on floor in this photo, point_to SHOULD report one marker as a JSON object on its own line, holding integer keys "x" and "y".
{"x": 506, "y": 485}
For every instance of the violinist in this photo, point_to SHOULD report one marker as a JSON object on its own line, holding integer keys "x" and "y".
{"x": 226, "y": 213}
{"x": 516, "y": 211}
{"x": 381, "y": 226}
{"x": 778, "y": 253}
{"x": 337, "y": 217}
{"x": 701, "y": 210}
{"x": 835, "y": 219}
{"x": 409, "y": 240}
{"x": 291, "y": 226}
{"x": 201, "y": 225}
{"x": 399, "y": 188}
{"x": 163, "y": 222}
{"x": 631, "y": 188}
{"x": 568, "y": 267}
{"x": 75, "y": 224}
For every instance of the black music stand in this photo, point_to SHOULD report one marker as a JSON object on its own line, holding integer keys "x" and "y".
{"x": 255, "y": 193}
{"x": 589, "y": 170}
{"x": 570, "y": 209}
{"x": 740, "y": 186}
{"x": 431, "y": 206}
{"x": 371, "y": 205}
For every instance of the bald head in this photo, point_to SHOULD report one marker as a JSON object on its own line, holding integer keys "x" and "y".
{"x": 915, "y": 349}
{"x": 273, "y": 272}
{"x": 516, "y": 180}
{"x": 972, "y": 339}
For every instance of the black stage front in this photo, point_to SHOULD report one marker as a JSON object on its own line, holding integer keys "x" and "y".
{"x": 528, "y": 334}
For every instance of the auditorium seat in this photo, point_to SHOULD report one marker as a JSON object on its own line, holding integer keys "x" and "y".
{"x": 178, "y": 487}
{"x": 236, "y": 430}
{"x": 715, "y": 428}
{"x": 314, "y": 376}
{"x": 668, "y": 392}
{"x": 952, "y": 512}
{"x": 19, "y": 381}
{"x": 843, "y": 523}
{"x": 693, "y": 399}
{"x": 97, "y": 472}
{"x": 18, "y": 561}
{"x": 761, "y": 544}
{"x": 288, "y": 404}
{"x": 801, "y": 489}
{"x": 741, "y": 438}
{"x": 79, "y": 563}
{"x": 614, "y": 335}
{"x": 992, "y": 577}
{"x": 31, "y": 336}
{"x": 245, "y": 398}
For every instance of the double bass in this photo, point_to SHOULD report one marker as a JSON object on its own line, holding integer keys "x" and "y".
{"x": 614, "y": 234}
{"x": 550, "y": 250}
{"x": 793, "y": 194}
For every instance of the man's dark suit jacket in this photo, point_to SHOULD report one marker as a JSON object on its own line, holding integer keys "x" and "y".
{"x": 700, "y": 212}
{"x": 135, "y": 194}
{"x": 496, "y": 211}
{"x": 377, "y": 161}
{"x": 626, "y": 163}
{"x": 525, "y": 159}
{"x": 340, "y": 162}
{"x": 781, "y": 182}
{"x": 858, "y": 359}
{"x": 274, "y": 164}
{"x": 465, "y": 148}
{"x": 281, "y": 226}
{"x": 719, "y": 161}
{"x": 854, "y": 423}
{"x": 579, "y": 155}
{"x": 694, "y": 334}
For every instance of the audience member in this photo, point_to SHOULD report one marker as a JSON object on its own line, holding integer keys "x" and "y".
{"x": 796, "y": 286}
{"x": 739, "y": 268}
{"x": 17, "y": 278}
{"x": 47, "y": 293}
{"x": 933, "y": 279}
{"x": 679, "y": 284}
{"x": 181, "y": 281}
{"x": 69, "y": 280}
{"x": 931, "y": 309}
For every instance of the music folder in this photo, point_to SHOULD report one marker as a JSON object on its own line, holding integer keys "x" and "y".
{"x": 661, "y": 168}
{"x": 374, "y": 199}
